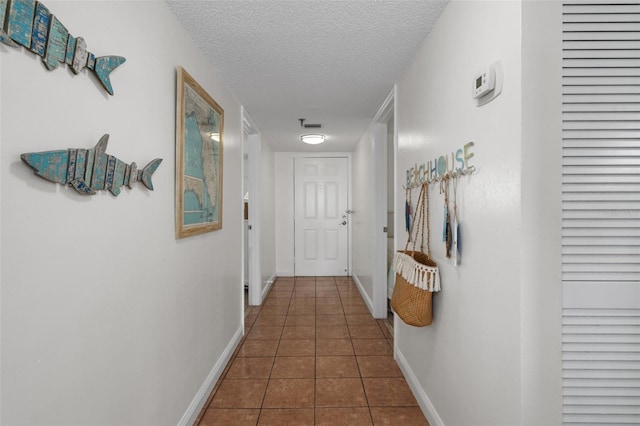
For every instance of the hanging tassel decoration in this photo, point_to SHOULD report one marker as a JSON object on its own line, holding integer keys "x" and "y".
{"x": 456, "y": 226}
{"x": 445, "y": 213}
{"x": 449, "y": 236}
{"x": 408, "y": 212}
{"x": 454, "y": 246}
{"x": 419, "y": 275}
{"x": 446, "y": 226}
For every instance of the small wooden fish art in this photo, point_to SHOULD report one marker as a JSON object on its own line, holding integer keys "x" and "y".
{"x": 89, "y": 170}
{"x": 28, "y": 23}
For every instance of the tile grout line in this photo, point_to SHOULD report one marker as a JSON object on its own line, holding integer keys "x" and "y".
{"x": 345, "y": 296}
{"x": 355, "y": 355}
{"x": 274, "y": 356}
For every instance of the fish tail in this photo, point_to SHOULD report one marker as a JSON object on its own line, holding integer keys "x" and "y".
{"x": 147, "y": 172}
{"x": 104, "y": 66}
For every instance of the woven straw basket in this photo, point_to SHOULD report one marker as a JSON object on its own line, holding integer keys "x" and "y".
{"x": 411, "y": 302}
{"x": 417, "y": 276}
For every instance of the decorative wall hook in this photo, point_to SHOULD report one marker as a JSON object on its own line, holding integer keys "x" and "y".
{"x": 442, "y": 168}
{"x": 453, "y": 174}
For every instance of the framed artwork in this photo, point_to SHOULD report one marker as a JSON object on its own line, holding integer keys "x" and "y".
{"x": 199, "y": 139}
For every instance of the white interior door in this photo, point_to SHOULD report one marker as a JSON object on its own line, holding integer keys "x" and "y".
{"x": 254, "y": 225}
{"x": 321, "y": 218}
{"x": 601, "y": 213}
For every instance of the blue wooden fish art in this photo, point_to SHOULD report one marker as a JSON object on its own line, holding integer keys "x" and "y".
{"x": 89, "y": 170}
{"x": 28, "y": 23}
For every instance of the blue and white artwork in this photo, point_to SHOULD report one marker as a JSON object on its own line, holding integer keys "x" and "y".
{"x": 89, "y": 170}
{"x": 28, "y": 23}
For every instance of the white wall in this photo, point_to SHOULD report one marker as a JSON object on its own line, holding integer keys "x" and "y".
{"x": 465, "y": 367}
{"x": 495, "y": 340}
{"x": 283, "y": 163}
{"x": 106, "y": 318}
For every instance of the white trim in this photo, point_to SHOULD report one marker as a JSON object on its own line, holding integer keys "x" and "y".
{"x": 189, "y": 417}
{"x": 396, "y": 330}
{"x": 379, "y": 132}
{"x": 265, "y": 289}
{"x": 395, "y": 168}
{"x": 421, "y": 396}
{"x": 387, "y": 108}
{"x": 363, "y": 293}
{"x": 247, "y": 123}
{"x": 244, "y": 126}
{"x": 254, "y": 173}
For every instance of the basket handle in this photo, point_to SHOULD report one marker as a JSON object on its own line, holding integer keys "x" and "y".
{"x": 406, "y": 246}
{"x": 423, "y": 199}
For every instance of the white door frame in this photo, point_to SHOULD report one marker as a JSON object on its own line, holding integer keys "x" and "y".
{"x": 346, "y": 155}
{"x": 252, "y": 145}
{"x": 382, "y": 117}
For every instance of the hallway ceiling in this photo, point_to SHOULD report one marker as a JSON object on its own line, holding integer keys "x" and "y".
{"x": 330, "y": 62}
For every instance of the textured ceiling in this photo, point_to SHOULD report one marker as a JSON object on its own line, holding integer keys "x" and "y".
{"x": 331, "y": 62}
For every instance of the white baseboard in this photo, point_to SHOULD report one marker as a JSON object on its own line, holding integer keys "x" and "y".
{"x": 363, "y": 293}
{"x": 266, "y": 289}
{"x": 418, "y": 391}
{"x": 189, "y": 417}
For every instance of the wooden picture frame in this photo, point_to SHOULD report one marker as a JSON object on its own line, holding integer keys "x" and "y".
{"x": 199, "y": 149}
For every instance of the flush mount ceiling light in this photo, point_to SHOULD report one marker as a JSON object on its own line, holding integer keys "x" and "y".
{"x": 312, "y": 139}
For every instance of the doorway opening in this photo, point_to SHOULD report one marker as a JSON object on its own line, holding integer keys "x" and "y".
{"x": 390, "y": 217}
{"x": 245, "y": 223}
{"x": 384, "y": 202}
{"x": 251, "y": 218}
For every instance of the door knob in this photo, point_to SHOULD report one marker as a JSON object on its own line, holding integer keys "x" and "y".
{"x": 344, "y": 222}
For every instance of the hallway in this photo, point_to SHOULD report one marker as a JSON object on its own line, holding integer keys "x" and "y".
{"x": 312, "y": 355}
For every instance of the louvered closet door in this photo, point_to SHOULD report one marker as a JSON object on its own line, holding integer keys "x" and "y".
{"x": 601, "y": 212}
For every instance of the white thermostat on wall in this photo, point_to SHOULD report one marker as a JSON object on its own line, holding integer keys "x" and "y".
{"x": 487, "y": 84}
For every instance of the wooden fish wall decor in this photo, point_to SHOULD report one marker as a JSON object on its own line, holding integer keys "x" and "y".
{"x": 28, "y": 23}
{"x": 89, "y": 170}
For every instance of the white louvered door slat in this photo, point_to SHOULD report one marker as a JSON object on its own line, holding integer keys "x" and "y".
{"x": 601, "y": 212}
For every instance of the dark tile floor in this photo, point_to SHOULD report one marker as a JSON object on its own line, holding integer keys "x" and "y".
{"x": 313, "y": 355}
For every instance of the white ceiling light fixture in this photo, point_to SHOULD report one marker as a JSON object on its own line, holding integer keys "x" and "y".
{"x": 312, "y": 139}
